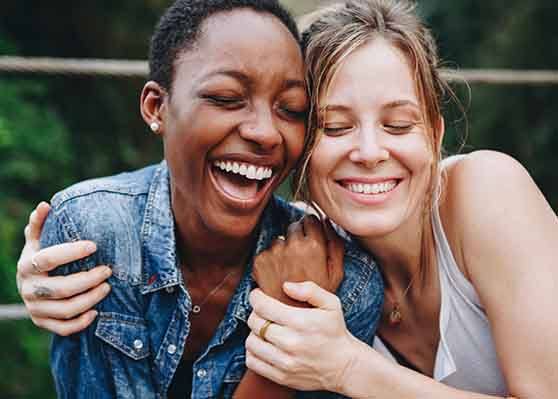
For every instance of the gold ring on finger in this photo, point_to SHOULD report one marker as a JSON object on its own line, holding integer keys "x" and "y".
{"x": 264, "y": 328}
{"x": 35, "y": 265}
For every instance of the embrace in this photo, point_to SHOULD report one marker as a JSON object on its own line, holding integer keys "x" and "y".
{"x": 398, "y": 274}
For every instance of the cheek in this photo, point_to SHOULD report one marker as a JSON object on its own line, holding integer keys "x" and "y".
{"x": 321, "y": 167}
{"x": 294, "y": 135}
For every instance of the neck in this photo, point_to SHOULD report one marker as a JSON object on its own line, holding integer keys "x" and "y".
{"x": 201, "y": 248}
{"x": 398, "y": 254}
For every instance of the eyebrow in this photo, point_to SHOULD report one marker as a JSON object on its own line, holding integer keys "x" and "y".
{"x": 331, "y": 108}
{"x": 401, "y": 103}
{"x": 246, "y": 80}
{"x": 232, "y": 74}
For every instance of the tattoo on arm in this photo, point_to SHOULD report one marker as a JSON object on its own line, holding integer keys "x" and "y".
{"x": 42, "y": 292}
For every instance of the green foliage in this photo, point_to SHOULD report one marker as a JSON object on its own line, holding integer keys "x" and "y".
{"x": 518, "y": 120}
{"x": 34, "y": 156}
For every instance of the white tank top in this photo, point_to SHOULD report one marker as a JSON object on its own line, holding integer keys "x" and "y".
{"x": 466, "y": 357}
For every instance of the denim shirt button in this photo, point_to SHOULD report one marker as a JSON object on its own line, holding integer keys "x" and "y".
{"x": 169, "y": 290}
{"x": 171, "y": 350}
{"x": 138, "y": 344}
{"x": 201, "y": 373}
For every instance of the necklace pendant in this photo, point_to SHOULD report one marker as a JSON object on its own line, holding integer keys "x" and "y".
{"x": 395, "y": 316}
{"x": 196, "y": 309}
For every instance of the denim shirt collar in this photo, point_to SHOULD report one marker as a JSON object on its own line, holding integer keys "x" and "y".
{"x": 159, "y": 242}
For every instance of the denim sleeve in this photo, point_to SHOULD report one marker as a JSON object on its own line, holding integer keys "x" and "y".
{"x": 77, "y": 361}
{"x": 362, "y": 320}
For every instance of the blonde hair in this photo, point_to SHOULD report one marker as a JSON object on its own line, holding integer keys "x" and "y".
{"x": 336, "y": 31}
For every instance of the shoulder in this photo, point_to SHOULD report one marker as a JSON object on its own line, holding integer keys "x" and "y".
{"x": 490, "y": 204}
{"x": 484, "y": 184}
{"x": 108, "y": 204}
{"x": 108, "y": 211}
{"x": 127, "y": 183}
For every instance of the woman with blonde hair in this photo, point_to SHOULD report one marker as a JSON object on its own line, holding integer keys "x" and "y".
{"x": 466, "y": 245}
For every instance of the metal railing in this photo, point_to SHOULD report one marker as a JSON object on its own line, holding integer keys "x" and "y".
{"x": 139, "y": 69}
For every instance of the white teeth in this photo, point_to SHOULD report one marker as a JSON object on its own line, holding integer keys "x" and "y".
{"x": 377, "y": 188}
{"x": 249, "y": 171}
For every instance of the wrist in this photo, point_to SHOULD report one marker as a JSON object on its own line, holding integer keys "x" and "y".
{"x": 350, "y": 364}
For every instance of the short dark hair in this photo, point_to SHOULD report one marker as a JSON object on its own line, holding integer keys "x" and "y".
{"x": 179, "y": 29}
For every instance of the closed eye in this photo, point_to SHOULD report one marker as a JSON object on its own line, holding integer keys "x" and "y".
{"x": 294, "y": 114}
{"x": 225, "y": 101}
{"x": 334, "y": 131}
{"x": 399, "y": 128}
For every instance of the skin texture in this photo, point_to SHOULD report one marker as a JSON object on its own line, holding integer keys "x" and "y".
{"x": 501, "y": 229}
{"x": 309, "y": 243}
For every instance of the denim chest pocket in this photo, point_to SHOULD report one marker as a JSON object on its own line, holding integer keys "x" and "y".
{"x": 126, "y": 333}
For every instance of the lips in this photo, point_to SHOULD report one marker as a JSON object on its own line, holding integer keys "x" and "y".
{"x": 369, "y": 191}
{"x": 242, "y": 183}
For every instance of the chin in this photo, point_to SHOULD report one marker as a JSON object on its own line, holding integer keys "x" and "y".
{"x": 362, "y": 226}
{"x": 235, "y": 227}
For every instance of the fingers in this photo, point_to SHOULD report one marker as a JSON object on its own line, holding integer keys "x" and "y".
{"x": 66, "y": 327}
{"x": 66, "y": 309}
{"x": 36, "y": 220}
{"x": 267, "y": 352}
{"x": 273, "y": 310}
{"x": 63, "y": 287}
{"x": 50, "y": 258}
{"x": 295, "y": 230}
{"x": 335, "y": 252}
{"x": 274, "y": 333}
{"x": 313, "y": 294}
{"x": 264, "y": 369}
{"x": 313, "y": 229}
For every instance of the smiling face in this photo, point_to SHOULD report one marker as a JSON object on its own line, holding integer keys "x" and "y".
{"x": 234, "y": 125}
{"x": 370, "y": 170}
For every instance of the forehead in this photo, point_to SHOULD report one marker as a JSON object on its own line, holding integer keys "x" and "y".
{"x": 374, "y": 74}
{"x": 254, "y": 43}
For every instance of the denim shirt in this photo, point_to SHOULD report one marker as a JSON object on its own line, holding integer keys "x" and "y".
{"x": 133, "y": 348}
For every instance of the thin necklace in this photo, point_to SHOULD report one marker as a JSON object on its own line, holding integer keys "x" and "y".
{"x": 395, "y": 316}
{"x": 196, "y": 309}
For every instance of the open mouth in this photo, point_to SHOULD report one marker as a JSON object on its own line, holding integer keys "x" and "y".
{"x": 241, "y": 180}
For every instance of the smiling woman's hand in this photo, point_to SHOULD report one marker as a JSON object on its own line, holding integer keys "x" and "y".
{"x": 310, "y": 252}
{"x": 305, "y": 349}
{"x": 59, "y": 304}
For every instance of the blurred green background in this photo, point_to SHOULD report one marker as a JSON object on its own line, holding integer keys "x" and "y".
{"x": 58, "y": 130}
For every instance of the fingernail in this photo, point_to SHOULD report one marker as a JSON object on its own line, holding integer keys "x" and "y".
{"x": 95, "y": 314}
{"x": 33, "y": 216}
{"x": 288, "y": 285}
{"x": 108, "y": 271}
{"x": 106, "y": 288}
{"x": 90, "y": 247}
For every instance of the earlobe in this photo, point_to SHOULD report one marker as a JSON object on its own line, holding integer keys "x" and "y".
{"x": 152, "y": 103}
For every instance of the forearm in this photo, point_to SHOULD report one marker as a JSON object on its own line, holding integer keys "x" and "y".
{"x": 253, "y": 386}
{"x": 372, "y": 376}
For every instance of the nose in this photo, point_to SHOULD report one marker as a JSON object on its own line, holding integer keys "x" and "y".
{"x": 367, "y": 149}
{"x": 261, "y": 129}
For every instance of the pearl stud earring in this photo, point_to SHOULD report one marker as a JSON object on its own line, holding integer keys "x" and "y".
{"x": 154, "y": 127}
